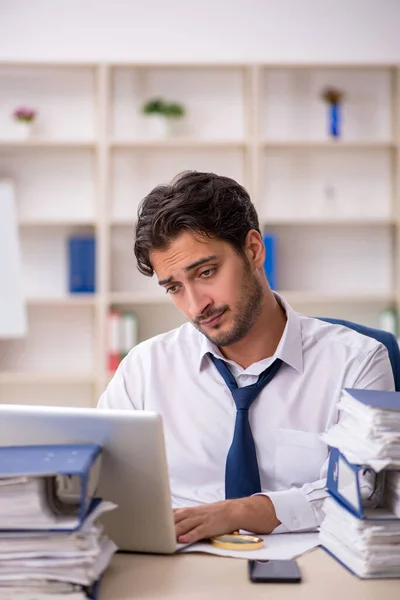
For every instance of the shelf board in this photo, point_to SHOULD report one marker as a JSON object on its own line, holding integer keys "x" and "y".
{"x": 265, "y": 221}
{"x": 268, "y": 222}
{"x": 10, "y": 144}
{"x": 176, "y": 143}
{"x": 177, "y": 65}
{"x": 27, "y": 377}
{"x": 56, "y": 223}
{"x": 66, "y": 301}
{"x": 293, "y": 297}
{"x": 32, "y": 64}
{"x": 328, "y": 144}
{"x": 123, "y": 221}
{"x": 138, "y": 298}
{"x": 317, "y": 297}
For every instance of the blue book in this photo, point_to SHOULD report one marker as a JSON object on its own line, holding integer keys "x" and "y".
{"x": 53, "y": 486}
{"x": 82, "y": 260}
{"x": 270, "y": 263}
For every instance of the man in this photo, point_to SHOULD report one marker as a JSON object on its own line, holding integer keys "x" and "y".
{"x": 239, "y": 457}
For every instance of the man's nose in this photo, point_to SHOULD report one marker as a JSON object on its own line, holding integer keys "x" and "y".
{"x": 198, "y": 302}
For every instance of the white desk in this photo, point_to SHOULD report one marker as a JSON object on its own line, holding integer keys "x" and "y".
{"x": 206, "y": 577}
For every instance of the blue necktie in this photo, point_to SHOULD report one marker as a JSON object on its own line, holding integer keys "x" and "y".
{"x": 242, "y": 477}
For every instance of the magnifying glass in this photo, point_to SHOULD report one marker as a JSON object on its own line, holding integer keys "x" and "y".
{"x": 237, "y": 541}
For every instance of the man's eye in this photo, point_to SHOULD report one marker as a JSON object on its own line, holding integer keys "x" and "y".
{"x": 173, "y": 289}
{"x": 207, "y": 273}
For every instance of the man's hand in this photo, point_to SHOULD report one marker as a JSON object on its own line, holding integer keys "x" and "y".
{"x": 255, "y": 513}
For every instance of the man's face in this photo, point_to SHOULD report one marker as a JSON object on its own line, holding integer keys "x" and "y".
{"x": 217, "y": 289}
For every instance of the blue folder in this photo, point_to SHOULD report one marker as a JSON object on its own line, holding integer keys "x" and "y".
{"x": 82, "y": 264}
{"x": 270, "y": 263}
{"x": 343, "y": 484}
{"x": 50, "y": 461}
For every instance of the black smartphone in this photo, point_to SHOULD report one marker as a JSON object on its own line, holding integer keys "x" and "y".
{"x": 274, "y": 571}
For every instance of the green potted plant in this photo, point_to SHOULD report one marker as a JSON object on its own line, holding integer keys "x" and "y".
{"x": 24, "y": 119}
{"x": 162, "y": 117}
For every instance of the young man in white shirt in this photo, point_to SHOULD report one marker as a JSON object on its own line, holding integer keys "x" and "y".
{"x": 200, "y": 236}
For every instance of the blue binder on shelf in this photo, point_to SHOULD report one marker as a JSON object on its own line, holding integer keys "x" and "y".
{"x": 343, "y": 484}
{"x": 69, "y": 475}
{"x": 270, "y": 263}
{"x": 81, "y": 264}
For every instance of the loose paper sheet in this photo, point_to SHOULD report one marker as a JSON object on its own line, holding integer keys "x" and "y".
{"x": 283, "y": 546}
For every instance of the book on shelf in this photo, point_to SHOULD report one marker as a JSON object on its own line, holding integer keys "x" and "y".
{"x": 50, "y": 543}
{"x": 270, "y": 263}
{"x": 123, "y": 336}
{"x": 129, "y": 332}
{"x": 113, "y": 357}
{"x": 81, "y": 264}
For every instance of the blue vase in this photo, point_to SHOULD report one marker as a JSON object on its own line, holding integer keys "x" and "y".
{"x": 334, "y": 120}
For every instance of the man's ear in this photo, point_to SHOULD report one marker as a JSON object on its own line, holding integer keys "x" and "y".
{"x": 255, "y": 249}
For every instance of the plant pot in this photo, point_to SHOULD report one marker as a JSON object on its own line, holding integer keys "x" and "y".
{"x": 23, "y": 129}
{"x": 176, "y": 127}
{"x": 158, "y": 127}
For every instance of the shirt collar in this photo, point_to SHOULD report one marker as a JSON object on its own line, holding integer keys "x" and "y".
{"x": 290, "y": 347}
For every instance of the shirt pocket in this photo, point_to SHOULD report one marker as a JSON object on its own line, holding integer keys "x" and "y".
{"x": 299, "y": 456}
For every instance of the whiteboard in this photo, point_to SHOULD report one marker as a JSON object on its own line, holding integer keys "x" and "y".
{"x": 13, "y": 321}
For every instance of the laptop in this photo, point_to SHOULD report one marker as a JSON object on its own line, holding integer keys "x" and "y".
{"x": 134, "y": 471}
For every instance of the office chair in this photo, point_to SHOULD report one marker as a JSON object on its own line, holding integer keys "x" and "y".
{"x": 384, "y": 337}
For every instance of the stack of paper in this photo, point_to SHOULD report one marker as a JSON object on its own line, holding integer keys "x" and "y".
{"x": 51, "y": 546}
{"x": 362, "y": 523}
{"x": 368, "y": 547}
{"x": 24, "y": 503}
{"x": 43, "y": 565}
{"x": 368, "y": 431}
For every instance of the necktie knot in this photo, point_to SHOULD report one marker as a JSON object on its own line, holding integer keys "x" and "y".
{"x": 242, "y": 477}
{"x": 245, "y": 396}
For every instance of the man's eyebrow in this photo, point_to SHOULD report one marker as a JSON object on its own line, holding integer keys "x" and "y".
{"x": 190, "y": 267}
{"x": 165, "y": 281}
{"x": 200, "y": 262}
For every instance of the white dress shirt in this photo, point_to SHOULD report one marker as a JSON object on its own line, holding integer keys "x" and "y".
{"x": 172, "y": 375}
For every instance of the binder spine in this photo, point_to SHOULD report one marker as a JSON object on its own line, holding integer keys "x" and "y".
{"x": 81, "y": 267}
{"x": 114, "y": 319}
{"x": 129, "y": 332}
{"x": 270, "y": 263}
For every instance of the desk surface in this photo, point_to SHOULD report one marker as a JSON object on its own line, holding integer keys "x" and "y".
{"x": 206, "y": 577}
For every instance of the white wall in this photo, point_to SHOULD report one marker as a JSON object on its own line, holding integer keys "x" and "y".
{"x": 365, "y": 31}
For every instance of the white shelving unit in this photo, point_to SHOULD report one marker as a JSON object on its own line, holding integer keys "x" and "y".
{"x": 334, "y": 205}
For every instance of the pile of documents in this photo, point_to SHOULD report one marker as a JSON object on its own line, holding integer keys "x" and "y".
{"x": 369, "y": 547}
{"x": 368, "y": 431}
{"x": 51, "y": 544}
{"x": 361, "y": 528}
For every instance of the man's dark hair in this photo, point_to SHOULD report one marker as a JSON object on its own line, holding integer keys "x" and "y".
{"x": 205, "y": 203}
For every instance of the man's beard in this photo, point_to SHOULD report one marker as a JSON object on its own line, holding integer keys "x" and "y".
{"x": 247, "y": 311}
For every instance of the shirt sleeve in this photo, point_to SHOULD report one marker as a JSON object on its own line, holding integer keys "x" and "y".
{"x": 301, "y": 509}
